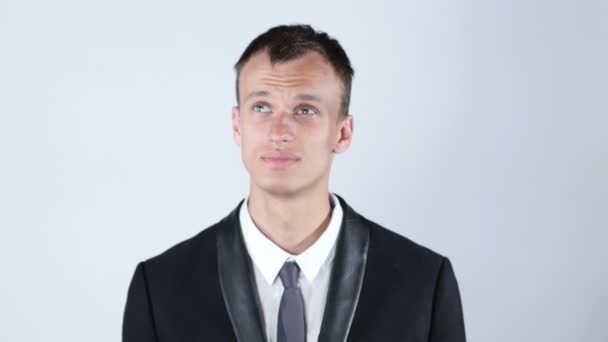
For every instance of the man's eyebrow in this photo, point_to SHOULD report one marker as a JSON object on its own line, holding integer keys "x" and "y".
{"x": 301, "y": 97}
{"x": 257, "y": 94}
{"x": 308, "y": 97}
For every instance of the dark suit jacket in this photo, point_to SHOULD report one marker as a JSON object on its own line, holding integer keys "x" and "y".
{"x": 383, "y": 287}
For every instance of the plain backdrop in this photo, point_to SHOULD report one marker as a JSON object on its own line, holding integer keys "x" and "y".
{"x": 480, "y": 132}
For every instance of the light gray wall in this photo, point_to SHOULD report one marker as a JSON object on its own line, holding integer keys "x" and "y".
{"x": 481, "y": 132}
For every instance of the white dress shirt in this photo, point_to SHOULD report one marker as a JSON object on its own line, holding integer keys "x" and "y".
{"x": 315, "y": 268}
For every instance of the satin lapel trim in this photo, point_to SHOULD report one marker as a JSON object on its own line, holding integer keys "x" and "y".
{"x": 346, "y": 278}
{"x": 237, "y": 281}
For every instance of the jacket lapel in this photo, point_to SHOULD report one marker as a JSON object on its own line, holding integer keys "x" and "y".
{"x": 237, "y": 281}
{"x": 346, "y": 278}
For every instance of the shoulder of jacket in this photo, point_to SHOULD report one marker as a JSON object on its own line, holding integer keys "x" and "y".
{"x": 398, "y": 246}
{"x": 200, "y": 245}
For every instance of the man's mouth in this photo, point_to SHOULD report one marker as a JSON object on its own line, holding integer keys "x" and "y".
{"x": 280, "y": 159}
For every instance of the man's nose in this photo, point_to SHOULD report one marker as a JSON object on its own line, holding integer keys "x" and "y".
{"x": 282, "y": 128}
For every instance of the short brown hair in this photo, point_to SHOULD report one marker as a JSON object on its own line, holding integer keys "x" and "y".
{"x": 288, "y": 42}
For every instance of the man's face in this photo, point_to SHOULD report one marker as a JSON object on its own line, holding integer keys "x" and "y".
{"x": 288, "y": 123}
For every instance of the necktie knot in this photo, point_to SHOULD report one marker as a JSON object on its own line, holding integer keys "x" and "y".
{"x": 289, "y": 274}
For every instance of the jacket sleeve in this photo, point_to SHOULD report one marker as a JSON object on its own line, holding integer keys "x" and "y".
{"x": 447, "y": 322}
{"x": 138, "y": 319}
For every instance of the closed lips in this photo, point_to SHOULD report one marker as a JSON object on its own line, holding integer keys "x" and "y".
{"x": 279, "y": 156}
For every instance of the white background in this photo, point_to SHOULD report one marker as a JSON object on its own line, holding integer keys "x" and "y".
{"x": 480, "y": 132}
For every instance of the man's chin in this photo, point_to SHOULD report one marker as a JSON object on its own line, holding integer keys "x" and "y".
{"x": 280, "y": 190}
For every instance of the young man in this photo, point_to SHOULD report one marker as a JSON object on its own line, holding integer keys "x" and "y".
{"x": 294, "y": 262}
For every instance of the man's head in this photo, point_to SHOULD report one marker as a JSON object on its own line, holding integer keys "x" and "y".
{"x": 293, "y": 88}
{"x": 288, "y": 42}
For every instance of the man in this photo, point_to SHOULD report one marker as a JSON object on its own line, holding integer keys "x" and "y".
{"x": 294, "y": 262}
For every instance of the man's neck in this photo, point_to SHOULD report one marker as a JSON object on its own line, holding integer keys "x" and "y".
{"x": 292, "y": 223}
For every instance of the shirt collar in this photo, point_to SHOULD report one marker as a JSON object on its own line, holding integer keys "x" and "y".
{"x": 269, "y": 258}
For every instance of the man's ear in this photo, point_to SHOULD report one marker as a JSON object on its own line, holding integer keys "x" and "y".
{"x": 236, "y": 125}
{"x": 346, "y": 128}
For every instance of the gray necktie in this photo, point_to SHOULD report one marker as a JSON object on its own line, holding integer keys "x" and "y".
{"x": 291, "y": 324}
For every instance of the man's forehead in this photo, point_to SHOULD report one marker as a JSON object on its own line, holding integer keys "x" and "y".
{"x": 309, "y": 78}
{"x": 299, "y": 96}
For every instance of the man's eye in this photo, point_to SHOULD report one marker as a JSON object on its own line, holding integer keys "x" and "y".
{"x": 306, "y": 111}
{"x": 261, "y": 108}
